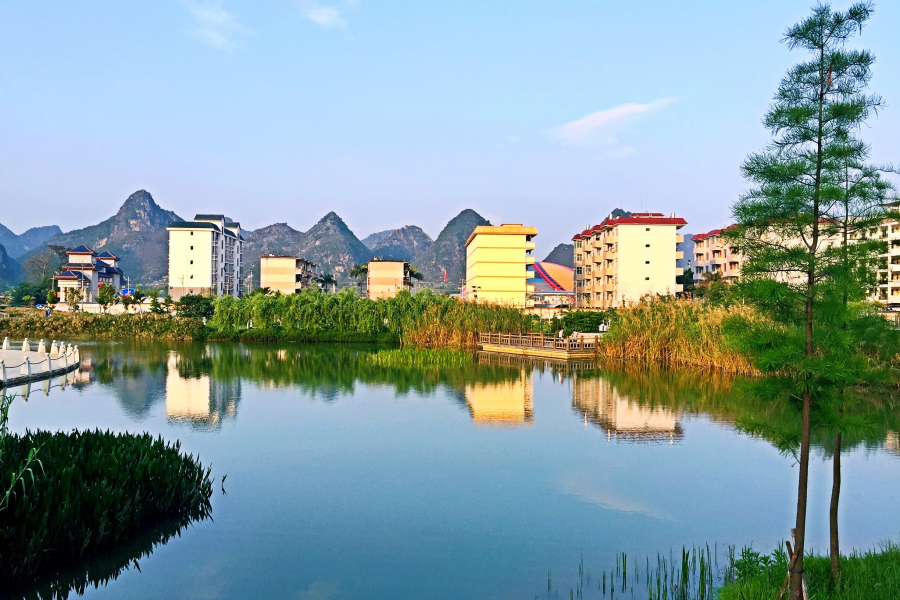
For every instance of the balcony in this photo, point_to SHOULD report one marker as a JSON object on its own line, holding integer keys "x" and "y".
{"x": 679, "y": 254}
{"x": 679, "y": 239}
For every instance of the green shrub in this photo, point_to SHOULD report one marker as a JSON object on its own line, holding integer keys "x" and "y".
{"x": 69, "y": 326}
{"x": 94, "y": 489}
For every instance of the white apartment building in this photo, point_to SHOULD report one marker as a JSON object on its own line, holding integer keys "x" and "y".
{"x": 713, "y": 254}
{"x": 205, "y": 257}
{"x": 623, "y": 259}
{"x": 86, "y": 271}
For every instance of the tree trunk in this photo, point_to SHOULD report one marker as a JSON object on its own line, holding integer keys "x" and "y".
{"x": 803, "y": 484}
{"x": 833, "y": 512}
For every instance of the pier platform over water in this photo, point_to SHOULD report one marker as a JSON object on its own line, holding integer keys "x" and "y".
{"x": 568, "y": 348}
{"x": 20, "y": 364}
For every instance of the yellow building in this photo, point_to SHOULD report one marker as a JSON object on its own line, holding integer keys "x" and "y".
{"x": 625, "y": 258}
{"x": 504, "y": 404}
{"x": 286, "y": 274}
{"x": 384, "y": 278}
{"x": 499, "y": 265}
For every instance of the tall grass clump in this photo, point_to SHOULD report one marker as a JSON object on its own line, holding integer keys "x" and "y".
{"x": 870, "y": 575}
{"x": 93, "y": 491}
{"x": 677, "y": 333}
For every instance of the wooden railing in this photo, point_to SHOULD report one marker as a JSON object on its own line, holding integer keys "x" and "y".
{"x": 513, "y": 340}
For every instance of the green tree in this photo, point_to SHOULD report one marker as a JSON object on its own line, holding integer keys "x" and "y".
{"x": 52, "y": 298}
{"x": 324, "y": 280}
{"x": 106, "y": 296}
{"x": 195, "y": 306}
{"x": 786, "y": 227}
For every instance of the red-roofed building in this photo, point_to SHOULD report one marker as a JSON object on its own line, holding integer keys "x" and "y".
{"x": 713, "y": 254}
{"x": 626, "y": 258}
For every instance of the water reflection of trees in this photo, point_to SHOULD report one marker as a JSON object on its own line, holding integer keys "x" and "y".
{"x": 104, "y": 568}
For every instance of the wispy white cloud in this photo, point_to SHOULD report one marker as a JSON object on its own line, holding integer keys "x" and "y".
{"x": 326, "y": 17}
{"x": 215, "y": 26}
{"x": 596, "y": 125}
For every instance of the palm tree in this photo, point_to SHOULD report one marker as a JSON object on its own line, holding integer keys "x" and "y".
{"x": 360, "y": 272}
{"x": 414, "y": 274}
{"x": 325, "y": 279}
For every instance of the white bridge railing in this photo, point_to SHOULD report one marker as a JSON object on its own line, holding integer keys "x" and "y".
{"x": 18, "y": 361}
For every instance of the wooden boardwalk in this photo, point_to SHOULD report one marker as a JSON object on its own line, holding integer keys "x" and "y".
{"x": 540, "y": 345}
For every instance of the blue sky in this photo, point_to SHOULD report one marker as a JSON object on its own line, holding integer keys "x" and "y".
{"x": 393, "y": 113}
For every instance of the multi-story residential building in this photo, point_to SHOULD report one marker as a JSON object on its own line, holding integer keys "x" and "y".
{"x": 384, "y": 278}
{"x": 205, "y": 257}
{"x": 86, "y": 271}
{"x": 625, "y": 258}
{"x": 713, "y": 254}
{"x": 889, "y": 270}
{"x": 499, "y": 265}
{"x": 286, "y": 274}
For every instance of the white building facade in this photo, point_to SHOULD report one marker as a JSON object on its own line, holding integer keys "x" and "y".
{"x": 205, "y": 257}
{"x": 85, "y": 271}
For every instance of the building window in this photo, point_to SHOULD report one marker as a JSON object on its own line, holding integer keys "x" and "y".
{"x": 647, "y": 229}
{"x": 192, "y": 262}
{"x": 192, "y": 276}
{"x": 646, "y": 262}
{"x": 646, "y": 245}
{"x": 646, "y": 279}
{"x": 192, "y": 233}
{"x": 192, "y": 247}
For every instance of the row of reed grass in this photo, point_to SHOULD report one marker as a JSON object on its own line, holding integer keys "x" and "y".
{"x": 677, "y": 333}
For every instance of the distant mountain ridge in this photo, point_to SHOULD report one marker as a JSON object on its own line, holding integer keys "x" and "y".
{"x": 447, "y": 256}
{"x": 18, "y": 245}
{"x": 10, "y": 270}
{"x": 136, "y": 234}
{"x": 405, "y": 243}
{"x": 563, "y": 254}
{"x": 373, "y": 238}
{"x": 329, "y": 243}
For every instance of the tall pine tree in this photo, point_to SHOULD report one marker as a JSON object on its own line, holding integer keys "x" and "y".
{"x": 787, "y": 228}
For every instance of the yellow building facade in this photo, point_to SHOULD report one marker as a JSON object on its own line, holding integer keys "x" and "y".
{"x": 286, "y": 274}
{"x": 385, "y": 278}
{"x": 499, "y": 265}
{"x": 624, "y": 259}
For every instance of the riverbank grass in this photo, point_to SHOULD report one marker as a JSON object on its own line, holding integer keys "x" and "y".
{"x": 871, "y": 575}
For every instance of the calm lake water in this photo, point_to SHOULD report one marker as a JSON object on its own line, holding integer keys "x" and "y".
{"x": 347, "y": 479}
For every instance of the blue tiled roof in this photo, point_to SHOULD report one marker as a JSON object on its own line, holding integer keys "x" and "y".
{"x": 82, "y": 249}
{"x": 107, "y": 254}
{"x": 71, "y": 275}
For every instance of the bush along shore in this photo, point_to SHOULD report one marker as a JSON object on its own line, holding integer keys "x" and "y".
{"x": 80, "y": 493}
{"x": 424, "y": 319}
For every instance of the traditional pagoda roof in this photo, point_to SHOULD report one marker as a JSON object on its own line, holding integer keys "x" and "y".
{"x": 82, "y": 249}
{"x": 107, "y": 254}
{"x": 71, "y": 276}
{"x": 210, "y": 218}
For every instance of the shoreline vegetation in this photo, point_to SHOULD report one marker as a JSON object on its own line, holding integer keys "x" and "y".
{"x": 655, "y": 332}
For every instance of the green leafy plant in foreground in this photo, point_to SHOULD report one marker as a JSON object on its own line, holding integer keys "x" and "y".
{"x": 96, "y": 489}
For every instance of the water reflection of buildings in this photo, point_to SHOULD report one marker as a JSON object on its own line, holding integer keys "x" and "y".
{"x": 600, "y": 404}
{"x": 892, "y": 442}
{"x": 501, "y": 404}
{"x": 200, "y": 401}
